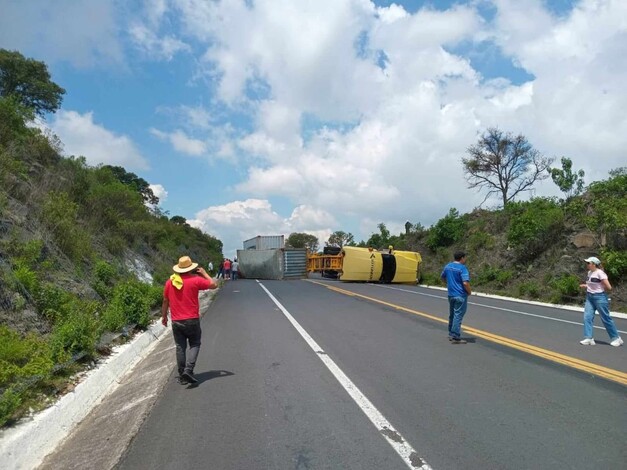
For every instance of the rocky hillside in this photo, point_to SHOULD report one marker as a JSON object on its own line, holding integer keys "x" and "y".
{"x": 535, "y": 250}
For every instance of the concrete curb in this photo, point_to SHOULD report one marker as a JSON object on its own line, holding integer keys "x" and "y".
{"x": 25, "y": 445}
{"x": 531, "y": 302}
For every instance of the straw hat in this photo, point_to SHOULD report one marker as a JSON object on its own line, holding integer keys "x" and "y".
{"x": 185, "y": 265}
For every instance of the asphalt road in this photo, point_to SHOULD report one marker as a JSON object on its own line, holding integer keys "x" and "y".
{"x": 522, "y": 394}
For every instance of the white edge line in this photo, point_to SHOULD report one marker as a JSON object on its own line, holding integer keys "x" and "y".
{"x": 391, "y": 435}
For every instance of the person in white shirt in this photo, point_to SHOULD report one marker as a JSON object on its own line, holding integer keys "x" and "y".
{"x": 234, "y": 270}
{"x": 597, "y": 285}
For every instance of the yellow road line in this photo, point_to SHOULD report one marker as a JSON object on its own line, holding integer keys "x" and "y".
{"x": 588, "y": 367}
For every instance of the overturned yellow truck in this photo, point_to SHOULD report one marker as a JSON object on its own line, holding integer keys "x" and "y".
{"x": 369, "y": 265}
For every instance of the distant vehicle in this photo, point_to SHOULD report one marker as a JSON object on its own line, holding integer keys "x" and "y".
{"x": 367, "y": 265}
{"x": 330, "y": 250}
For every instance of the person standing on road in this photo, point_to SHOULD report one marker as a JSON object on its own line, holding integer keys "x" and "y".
{"x": 210, "y": 268}
{"x": 180, "y": 296}
{"x": 227, "y": 268}
{"x": 234, "y": 269}
{"x": 457, "y": 279}
{"x": 596, "y": 286}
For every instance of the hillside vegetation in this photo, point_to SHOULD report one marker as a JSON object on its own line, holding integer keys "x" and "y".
{"x": 84, "y": 251}
{"x": 532, "y": 249}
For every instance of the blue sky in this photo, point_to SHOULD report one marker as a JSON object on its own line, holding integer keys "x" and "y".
{"x": 268, "y": 117}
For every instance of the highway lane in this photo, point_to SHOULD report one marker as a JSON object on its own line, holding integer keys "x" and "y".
{"x": 480, "y": 405}
{"x": 546, "y": 327}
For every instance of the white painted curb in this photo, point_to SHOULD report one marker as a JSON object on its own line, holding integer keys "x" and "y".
{"x": 531, "y": 302}
{"x": 25, "y": 445}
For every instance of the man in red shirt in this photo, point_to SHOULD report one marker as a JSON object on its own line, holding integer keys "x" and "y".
{"x": 180, "y": 295}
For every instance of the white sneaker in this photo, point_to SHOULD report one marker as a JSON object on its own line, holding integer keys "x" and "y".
{"x": 617, "y": 342}
{"x": 589, "y": 342}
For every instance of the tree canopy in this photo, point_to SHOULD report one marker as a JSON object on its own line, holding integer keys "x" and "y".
{"x": 504, "y": 164}
{"x": 340, "y": 238}
{"x": 303, "y": 240}
{"x": 28, "y": 81}
{"x": 570, "y": 183}
{"x": 132, "y": 180}
{"x": 381, "y": 239}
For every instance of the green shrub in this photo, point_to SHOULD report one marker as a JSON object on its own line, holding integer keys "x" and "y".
{"x": 105, "y": 275}
{"x": 155, "y": 295}
{"x": 26, "y": 278}
{"x": 22, "y": 359}
{"x": 104, "y": 272}
{"x": 130, "y": 304}
{"x": 614, "y": 263}
{"x": 607, "y": 203}
{"x": 20, "y": 351}
{"x": 113, "y": 319}
{"x": 566, "y": 288}
{"x": 430, "y": 279}
{"x": 9, "y": 402}
{"x": 115, "y": 244}
{"x": 51, "y": 301}
{"x": 60, "y": 216}
{"x": 28, "y": 253}
{"x": 529, "y": 289}
{"x": 533, "y": 225}
{"x": 489, "y": 274}
{"x": 446, "y": 231}
{"x": 78, "y": 331}
{"x": 480, "y": 240}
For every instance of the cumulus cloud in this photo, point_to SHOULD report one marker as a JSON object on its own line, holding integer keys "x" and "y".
{"x": 84, "y": 34}
{"x": 397, "y": 110}
{"x": 359, "y": 114}
{"x": 577, "y": 100}
{"x": 159, "y": 191}
{"x": 241, "y": 220}
{"x": 165, "y": 47}
{"x": 181, "y": 142}
{"x": 81, "y": 136}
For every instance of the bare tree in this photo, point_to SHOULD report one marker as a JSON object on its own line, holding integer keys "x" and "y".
{"x": 504, "y": 164}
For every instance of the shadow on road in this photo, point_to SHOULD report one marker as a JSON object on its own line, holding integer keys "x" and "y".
{"x": 211, "y": 374}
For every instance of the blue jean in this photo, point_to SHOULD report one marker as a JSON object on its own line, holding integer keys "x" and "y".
{"x": 457, "y": 310}
{"x": 598, "y": 302}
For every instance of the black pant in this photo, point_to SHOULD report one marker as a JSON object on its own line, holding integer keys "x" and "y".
{"x": 184, "y": 331}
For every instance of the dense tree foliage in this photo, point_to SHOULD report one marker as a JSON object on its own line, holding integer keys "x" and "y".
{"x": 132, "y": 180}
{"x": 504, "y": 164}
{"x": 381, "y": 239}
{"x": 447, "y": 230}
{"x": 302, "y": 240}
{"x": 340, "y": 238}
{"x": 28, "y": 82}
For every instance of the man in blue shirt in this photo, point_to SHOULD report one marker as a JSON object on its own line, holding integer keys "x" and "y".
{"x": 457, "y": 279}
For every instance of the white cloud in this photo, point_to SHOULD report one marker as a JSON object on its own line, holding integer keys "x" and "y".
{"x": 154, "y": 46}
{"x": 181, "y": 142}
{"x": 82, "y": 33}
{"x": 578, "y": 98}
{"x": 159, "y": 191}
{"x": 412, "y": 122}
{"x": 361, "y": 114}
{"x": 81, "y": 136}
{"x": 241, "y": 220}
